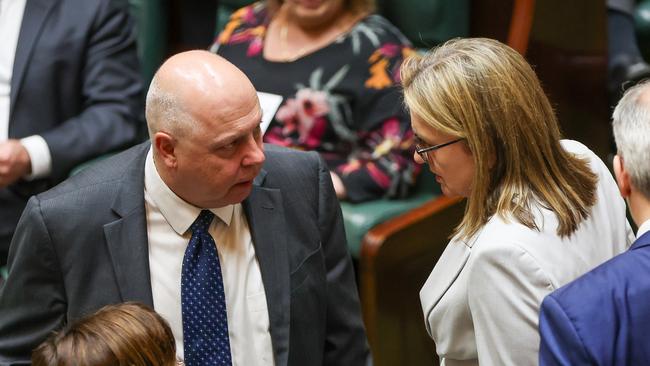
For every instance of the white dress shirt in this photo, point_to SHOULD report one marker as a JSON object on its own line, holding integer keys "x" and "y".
{"x": 168, "y": 221}
{"x": 11, "y": 17}
{"x": 643, "y": 228}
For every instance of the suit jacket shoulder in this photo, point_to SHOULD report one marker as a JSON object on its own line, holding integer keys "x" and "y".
{"x": 606, "y": 308}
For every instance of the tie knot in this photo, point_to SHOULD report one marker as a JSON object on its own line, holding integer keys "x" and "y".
{"x": 202, "y": 222}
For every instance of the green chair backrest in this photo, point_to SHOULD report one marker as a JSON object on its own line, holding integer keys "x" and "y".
{"x": 151, "y": 29}
{"x": 427, "y": 22}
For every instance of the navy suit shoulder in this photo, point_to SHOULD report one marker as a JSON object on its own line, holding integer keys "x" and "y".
{"x": 605, "y": 311}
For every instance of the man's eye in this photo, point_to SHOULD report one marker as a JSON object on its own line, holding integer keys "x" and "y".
{"x": 228, "y": 147}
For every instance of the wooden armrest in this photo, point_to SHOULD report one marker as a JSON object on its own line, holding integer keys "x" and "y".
{"x": 378, "y": 234}
{"x": 396, "y": 258}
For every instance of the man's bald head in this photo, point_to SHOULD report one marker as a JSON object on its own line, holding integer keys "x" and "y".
{"x": 190, "y": 85}
{"x": 204, "y": 124}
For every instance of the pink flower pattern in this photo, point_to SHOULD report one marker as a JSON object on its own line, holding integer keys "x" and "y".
{"x": 304, "y": 114}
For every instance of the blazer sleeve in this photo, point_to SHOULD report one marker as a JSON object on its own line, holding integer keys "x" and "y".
{"x": 560, "y": 343}
{"x": 345, "y": 342}
{"x": 111, "y": 93}
{"x": 505, "y": 289}
{"x": 32, "y": 302}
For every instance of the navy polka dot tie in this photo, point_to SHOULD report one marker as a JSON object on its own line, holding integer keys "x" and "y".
{"x": 205, "y": 322}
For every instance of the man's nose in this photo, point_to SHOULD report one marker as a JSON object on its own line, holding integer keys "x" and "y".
{"x": 254, "y": 152}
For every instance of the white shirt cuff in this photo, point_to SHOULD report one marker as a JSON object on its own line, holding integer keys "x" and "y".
{"x": 39, "y": 154}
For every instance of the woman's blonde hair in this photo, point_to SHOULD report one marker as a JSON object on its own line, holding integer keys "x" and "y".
{"x": 485, "y": 92}
{"x": 354, "y": 6}
{"x": 128, "y": 334}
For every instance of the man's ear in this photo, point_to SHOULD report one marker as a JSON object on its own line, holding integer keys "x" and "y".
{"x": 165, "y": 145}
{"x": 622, "y": 176}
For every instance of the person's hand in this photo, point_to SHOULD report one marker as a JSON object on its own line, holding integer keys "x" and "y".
{"x": 14, "y": 162}
{"x": 339, "y": 188}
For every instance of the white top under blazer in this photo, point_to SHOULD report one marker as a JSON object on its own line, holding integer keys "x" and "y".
{"x": 481, "y": 301}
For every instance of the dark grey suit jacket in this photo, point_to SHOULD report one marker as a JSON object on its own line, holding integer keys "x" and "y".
{"x": 76, "y": 83}
{"x": 83, "y": 245}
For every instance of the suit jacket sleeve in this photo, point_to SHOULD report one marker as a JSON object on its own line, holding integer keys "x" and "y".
{"x": 505, "y": 289}
{"x": 560, "y": 343}
{"x": 345, "y": 342}
{"x": 32, "y": 302}
{"x": 111, "y": 92}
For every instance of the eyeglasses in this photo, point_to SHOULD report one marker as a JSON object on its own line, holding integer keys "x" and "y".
{"x": 424, "y": 151}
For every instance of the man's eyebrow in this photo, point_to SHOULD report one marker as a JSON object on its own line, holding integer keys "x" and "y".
{"x": 225, "y": 140}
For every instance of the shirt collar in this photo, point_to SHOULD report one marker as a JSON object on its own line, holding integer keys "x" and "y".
{"x": 179, "y": 214}
{"x": 643, "y": 228}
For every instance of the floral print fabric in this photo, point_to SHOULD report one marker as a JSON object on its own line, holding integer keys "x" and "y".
{"x": 342, "y": 100}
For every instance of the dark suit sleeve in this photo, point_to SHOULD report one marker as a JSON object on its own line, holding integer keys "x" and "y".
{"x": 32, "y": 302}
{"x": 111, "y": 93}
{"x": 345, "y": 342}
{"x": 560, "y": 343}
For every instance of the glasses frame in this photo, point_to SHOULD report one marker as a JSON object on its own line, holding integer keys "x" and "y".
{"x": 424, "y": 151}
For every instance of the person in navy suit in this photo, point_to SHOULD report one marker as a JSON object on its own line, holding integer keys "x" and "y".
{"x": 602, "y": 318}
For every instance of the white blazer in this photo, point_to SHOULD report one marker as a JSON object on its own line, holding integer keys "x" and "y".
{"x": 481, "y": 301}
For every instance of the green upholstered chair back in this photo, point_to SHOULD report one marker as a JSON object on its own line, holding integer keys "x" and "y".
{"x": 427, "y": 22}
{"x": 151, "y": 29}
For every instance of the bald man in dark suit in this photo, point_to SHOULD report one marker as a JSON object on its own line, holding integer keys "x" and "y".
{"x": 119, "y": 231}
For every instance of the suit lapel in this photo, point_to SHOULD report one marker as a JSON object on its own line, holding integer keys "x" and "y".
{"x": 126, "y": 237}
{"x": 443, "y": 275}
{"x": 264, "y": 211}
{"x": 36, "y": 12}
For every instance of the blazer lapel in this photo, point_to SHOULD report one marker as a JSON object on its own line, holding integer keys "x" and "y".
{"x": 443, "y": 275}
{"x": 265, "y": 214}
{"x": 126, "y": 237}
{"x": 36, "y": 11}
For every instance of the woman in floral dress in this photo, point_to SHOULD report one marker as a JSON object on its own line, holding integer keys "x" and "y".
{"x": 336, "y": 67}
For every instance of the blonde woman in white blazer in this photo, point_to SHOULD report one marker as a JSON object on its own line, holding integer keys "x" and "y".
{"x": 540, "y": 211}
